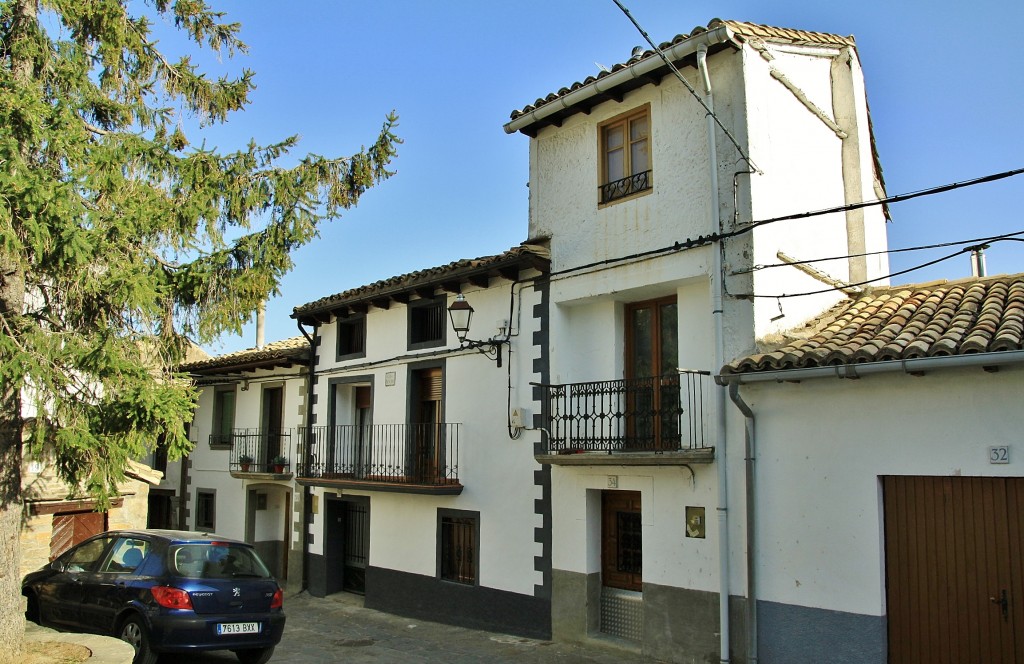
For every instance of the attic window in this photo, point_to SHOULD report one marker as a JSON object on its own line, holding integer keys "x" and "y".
{"x": 626, "y": 156}
{"x": 427, "y": 323}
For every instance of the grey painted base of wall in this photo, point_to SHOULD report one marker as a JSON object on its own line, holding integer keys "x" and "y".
{"x": 475, "y": 607}
{"x": 272, "y": 553}
{"x": 682, "y": 625}
{"x": 788, "y": 633}
{"x": 316, "y": 575}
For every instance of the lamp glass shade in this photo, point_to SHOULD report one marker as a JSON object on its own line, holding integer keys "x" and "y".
{"x": 461, "y": 314}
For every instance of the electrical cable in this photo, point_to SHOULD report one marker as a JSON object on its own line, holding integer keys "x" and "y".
{"x": 689, "y": 87}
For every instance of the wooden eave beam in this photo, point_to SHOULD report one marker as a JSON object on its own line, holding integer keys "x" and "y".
{"x": 425, "y": 292}
{"x": 480, "y": 280}
{"x": 382, "y": 303}
{"x": 510, "y": 272}
{"x": 454, "y": 287}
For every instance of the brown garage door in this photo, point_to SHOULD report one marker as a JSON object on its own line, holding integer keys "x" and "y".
{"x": 70, "y": 528}
{"x": 954, "y": 574}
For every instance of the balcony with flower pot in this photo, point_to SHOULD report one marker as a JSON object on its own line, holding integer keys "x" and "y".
{"x": 258, "y": 454}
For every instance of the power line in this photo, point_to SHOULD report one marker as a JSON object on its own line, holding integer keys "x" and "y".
{"x": 975, "y": 241}
{"x": 887, "y": 276}
{"x": 686, "y": 83}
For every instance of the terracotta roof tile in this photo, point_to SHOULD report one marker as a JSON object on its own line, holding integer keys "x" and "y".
{"x": 979, "y": 315}
{"x": 293, "y": 348}
{"x": 741, "y": 31}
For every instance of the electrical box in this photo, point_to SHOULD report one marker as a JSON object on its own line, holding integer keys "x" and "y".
{"x": 518, "y": 418}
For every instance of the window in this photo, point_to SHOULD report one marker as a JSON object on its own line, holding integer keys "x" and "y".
{"x": 427, "y": 323}
{"x": 626, "y": 156}
{"x": 459, "y": 546}
{"x": 206, "y": 510}
{"x": 126, "y": 556}
{"x": 351, "y": 337}
{"x": 223, "y": 417}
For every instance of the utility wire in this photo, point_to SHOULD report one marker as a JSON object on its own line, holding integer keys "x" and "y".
{"x": 689, "y": 87}
{"x": 704, "y": 240}
{"x": 964, "y": 250}
{"x": 975, "y": 241}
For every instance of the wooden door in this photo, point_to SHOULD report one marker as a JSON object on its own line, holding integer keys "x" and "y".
{"x": 621, "y": 540}
{"x": 427, "y": 419}
{"x": 273, "y": 421}
{"x": 71, "y": 528}
{"x": 652, "y": 374}
{"x": 954, "y": 569}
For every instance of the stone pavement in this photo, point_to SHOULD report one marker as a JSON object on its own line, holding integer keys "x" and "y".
{"x": 339, "y": 629}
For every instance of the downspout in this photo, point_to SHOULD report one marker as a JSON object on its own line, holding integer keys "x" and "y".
{"x": 307, "y": 492}
{"x": 717, "y": 288}
{"x": 750, "y": 455}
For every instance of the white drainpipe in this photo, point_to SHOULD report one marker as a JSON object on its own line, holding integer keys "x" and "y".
{"x": 717, "y": 288}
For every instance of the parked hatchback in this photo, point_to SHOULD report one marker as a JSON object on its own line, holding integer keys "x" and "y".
{"x": 162, "y": 591}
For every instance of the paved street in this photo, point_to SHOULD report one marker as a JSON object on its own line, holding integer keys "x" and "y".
{"x": 339, "y": 629}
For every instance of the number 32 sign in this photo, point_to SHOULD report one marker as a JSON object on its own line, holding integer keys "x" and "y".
{"x": 999, "y": 454}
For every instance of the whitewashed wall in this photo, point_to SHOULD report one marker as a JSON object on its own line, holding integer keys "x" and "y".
{"x": 497, "y": 472}
{"x": 823, "y": 444}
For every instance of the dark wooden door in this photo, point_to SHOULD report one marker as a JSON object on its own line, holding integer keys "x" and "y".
{"x": 273, "y": 420}
{"x": 427, "y": 419}
{"x": 621, "y": 540}
{"x": 652, "y": 374}
{"x": 954, "y": 569}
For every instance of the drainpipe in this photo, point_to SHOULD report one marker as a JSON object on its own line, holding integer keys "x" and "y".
{"x": 307, "y": 492}
{"x": 717, "y": 288}
{"x": 750, "y": 454}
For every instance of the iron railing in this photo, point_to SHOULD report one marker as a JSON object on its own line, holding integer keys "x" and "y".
{"x": 623, "y": 187}
{"x": 256, "y": 450}
{"x": 420, "y": 454}
{"x": 655, "y": 414}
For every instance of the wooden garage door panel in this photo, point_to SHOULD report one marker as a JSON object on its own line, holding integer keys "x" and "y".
{"x": 952, "y": 544}
{"x": 70, "y": 528}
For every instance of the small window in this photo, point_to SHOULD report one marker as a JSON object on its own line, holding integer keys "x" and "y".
{"x": 126, "y": 556}
{"x": 427, "y": 323}
{"x": 206, "y": 510}
{"x": 626, "y": 156}
{"x": 223, "y": 417}
{"x": 458, "y": 544}
{"x": 351, "y": 337}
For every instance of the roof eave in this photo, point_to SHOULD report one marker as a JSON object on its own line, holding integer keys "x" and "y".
{"x": 717, "y": 36}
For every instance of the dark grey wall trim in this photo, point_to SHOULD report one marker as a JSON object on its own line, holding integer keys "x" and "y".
{"x": 788, "y": 633}
{"x": 475, "y": 607}
{"x": 542, "y": 477}
{"x": 316, "y": 575}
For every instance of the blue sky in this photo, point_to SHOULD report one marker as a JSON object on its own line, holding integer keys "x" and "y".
{"x": 944, "y": 85}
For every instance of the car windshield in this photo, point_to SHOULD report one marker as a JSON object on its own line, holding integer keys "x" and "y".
{"x": 215, "y": 560}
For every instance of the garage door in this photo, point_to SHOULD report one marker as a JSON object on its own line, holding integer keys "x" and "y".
{"x": 954, "y": 569}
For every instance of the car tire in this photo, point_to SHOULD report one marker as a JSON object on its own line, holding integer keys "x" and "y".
{"x": 134, "y": 633}
{"x": 255, "y": 655}
{"x": 32, "y": 608}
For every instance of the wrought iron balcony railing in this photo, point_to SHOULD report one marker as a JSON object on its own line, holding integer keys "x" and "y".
{"x": 632, "y": 184}
{"x": 410, "y": 454}
{"x": 657, "y": 414}
{"x": 255, "y": 450}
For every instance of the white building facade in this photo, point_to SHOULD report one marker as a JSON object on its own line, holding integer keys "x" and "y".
{"x": 647, "y": 204}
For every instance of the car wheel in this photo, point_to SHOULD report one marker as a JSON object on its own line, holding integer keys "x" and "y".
{"x": 255, "y": 655}
{"x": 133, "y": 632}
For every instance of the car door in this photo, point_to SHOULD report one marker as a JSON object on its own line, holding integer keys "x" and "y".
{"x": 61, "y": 595}
{"x": 109, "y": 583}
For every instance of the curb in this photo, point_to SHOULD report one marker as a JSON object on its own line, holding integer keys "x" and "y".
{"x": 104, "y": 649}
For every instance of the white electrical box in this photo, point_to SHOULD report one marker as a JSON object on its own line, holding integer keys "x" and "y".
{"x": 517, "y": 417}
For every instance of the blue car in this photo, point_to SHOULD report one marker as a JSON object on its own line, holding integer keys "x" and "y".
{"x": 162, "y": 591}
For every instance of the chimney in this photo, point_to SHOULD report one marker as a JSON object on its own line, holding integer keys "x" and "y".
{"x": 261, "y": 320}
{"x": 978, "y": 260}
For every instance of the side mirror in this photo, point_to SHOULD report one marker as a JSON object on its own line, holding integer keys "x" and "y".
{"x": 57, "y": 566}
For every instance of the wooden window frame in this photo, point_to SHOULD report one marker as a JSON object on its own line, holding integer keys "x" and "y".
{"x": 354, "y": 346}
{"x": 451, "y": 516}
{"x": 624, "y": 120}
{"x": 217, "y": 442}
{"x": 418, "y": 338}
{"x": 200, "y": 494}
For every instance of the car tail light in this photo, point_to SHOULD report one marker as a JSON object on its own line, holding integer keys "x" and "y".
{"x": 171, "y": 598}
{"x": 278, "y": 600}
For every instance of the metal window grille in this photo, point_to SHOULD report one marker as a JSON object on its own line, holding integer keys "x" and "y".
{"x": 458, "y": 549}
{"x": 427, "y": 323}
{"x": 631, "y": 184}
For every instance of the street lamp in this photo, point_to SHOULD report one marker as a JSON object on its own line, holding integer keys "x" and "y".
{"x": 461, "y": 314}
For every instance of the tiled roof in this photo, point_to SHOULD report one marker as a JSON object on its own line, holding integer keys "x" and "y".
{"x": 276, "y": 352}
{"x": 482, "y": 268}
{"x": 740, "y": 30}
{"x": 978, "y": 315}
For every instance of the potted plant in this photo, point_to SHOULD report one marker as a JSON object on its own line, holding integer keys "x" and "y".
{"x": 244, "y": 462}
{"x": 279, "y": 462}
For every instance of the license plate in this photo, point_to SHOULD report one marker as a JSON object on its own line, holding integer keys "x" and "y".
{"x": 238, "y": 628}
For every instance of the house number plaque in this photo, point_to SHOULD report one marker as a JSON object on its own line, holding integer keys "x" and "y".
{"x": 999, "y": 454}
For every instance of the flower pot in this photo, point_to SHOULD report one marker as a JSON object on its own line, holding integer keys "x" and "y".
{"x": 245, "y": 467}
{"x": 278, "y": 468}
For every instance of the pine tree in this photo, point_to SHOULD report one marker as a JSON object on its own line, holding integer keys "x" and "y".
{"x": 120, "y": 240}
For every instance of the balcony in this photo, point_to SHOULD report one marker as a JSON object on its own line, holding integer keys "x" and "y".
{"x": 643, "y": 421}
{"x": 409, "y": 458}
{"x": 253, "y": 452}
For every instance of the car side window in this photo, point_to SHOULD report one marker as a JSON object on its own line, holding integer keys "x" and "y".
{"x": 126, "y": 555}
{"x": 85, "y": 557}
